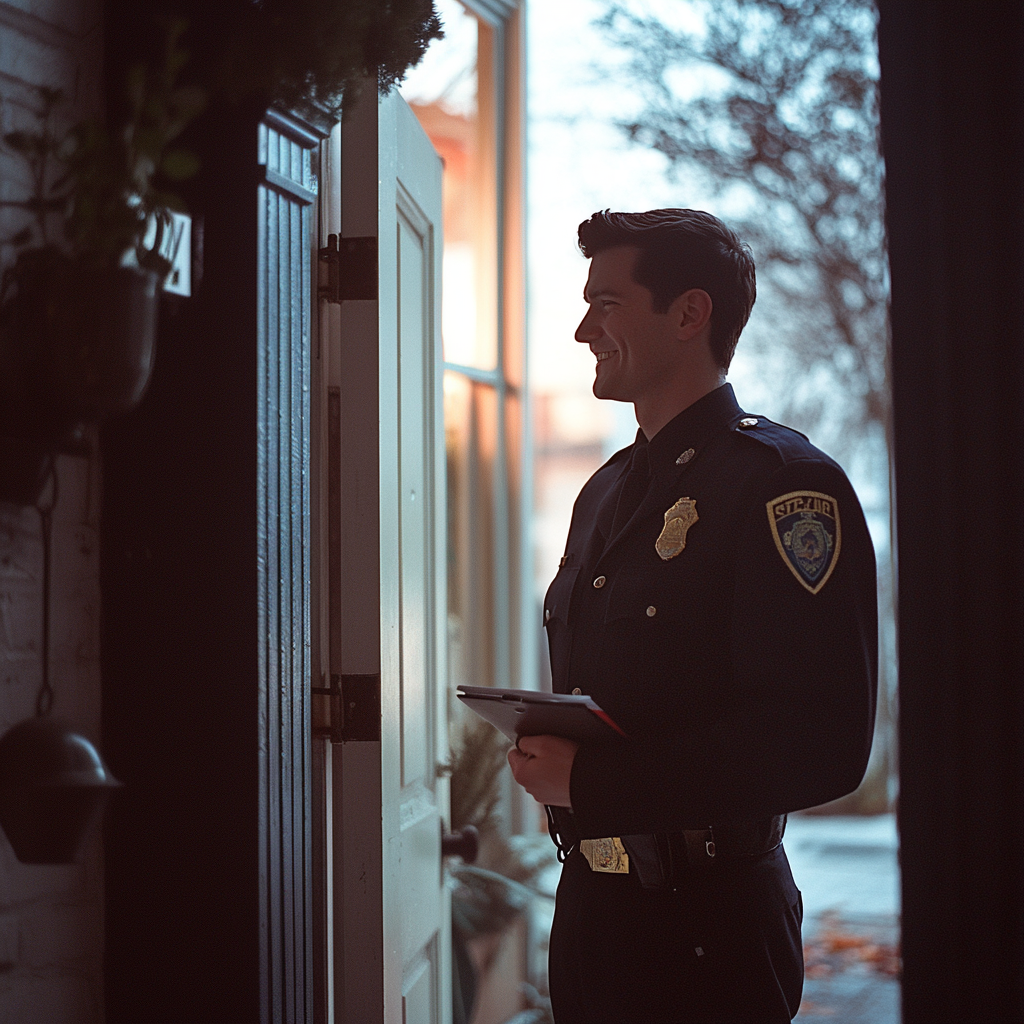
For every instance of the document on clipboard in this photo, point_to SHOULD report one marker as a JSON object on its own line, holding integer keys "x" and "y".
{"x": 532, "y": 713}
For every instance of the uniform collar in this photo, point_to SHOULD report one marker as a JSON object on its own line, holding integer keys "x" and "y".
{"x": 682, "y": 438}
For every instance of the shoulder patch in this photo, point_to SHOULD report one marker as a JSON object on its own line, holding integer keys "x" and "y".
{"x": 805, "y": 528}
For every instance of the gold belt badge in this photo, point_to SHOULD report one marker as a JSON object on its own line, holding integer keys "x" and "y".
{"x": 607, "y": 855}
{"x": 678, "y": 520}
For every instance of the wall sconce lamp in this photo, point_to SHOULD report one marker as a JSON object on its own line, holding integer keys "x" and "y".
{"x": 53, "y": 782}
{"x": 53, "y": 788}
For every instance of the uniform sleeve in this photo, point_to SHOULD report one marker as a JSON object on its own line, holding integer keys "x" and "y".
{"x": 792, "y": 722}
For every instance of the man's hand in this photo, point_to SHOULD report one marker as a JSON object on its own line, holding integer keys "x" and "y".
{"x": 542, "y": 766}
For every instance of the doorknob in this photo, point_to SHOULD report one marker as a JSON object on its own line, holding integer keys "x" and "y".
{"x": 464, "y": 844}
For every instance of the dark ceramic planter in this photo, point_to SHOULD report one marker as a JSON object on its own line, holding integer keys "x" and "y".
{"x": 76, "y": 345}
{"x": 103, "y": 342}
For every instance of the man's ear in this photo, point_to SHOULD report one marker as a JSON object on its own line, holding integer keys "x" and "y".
{"x": 691, "y": 312}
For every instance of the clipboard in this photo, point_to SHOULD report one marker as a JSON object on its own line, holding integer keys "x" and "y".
{"x": 532, "y": 713}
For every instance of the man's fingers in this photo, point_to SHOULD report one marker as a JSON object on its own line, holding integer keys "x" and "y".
{"x": 547, "y": 746}
{"x": 532, "y": 746}
{"x": 542, "y": 765}
{"x": 516, "y": 760}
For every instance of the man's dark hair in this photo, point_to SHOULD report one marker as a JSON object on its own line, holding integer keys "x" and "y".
{"x": 680, "y": 250}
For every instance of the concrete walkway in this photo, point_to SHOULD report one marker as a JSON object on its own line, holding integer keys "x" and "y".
{"x": 848, "y": 872}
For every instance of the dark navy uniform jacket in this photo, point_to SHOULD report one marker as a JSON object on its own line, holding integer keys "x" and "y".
{"x": 743, "y": 667}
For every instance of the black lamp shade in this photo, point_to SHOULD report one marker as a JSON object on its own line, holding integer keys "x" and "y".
{"x": 53, "y": 787}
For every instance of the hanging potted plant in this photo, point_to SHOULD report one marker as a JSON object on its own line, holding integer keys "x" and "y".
{"x": 78, "y": 303}
{"x": 310, "y": 56}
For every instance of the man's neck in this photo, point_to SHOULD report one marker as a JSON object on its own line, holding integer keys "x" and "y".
{"x": 654, "y": 412}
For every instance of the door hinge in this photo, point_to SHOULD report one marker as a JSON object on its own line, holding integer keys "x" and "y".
{"x": 354, "y": 707}
{"x": 348, "y": 269}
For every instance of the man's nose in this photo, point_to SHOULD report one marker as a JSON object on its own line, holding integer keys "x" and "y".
{"x": 587, "y": 330}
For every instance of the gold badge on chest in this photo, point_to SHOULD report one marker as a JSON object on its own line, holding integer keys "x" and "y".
{"x": 608, "y": 855}
{"x": 678, "y": 520}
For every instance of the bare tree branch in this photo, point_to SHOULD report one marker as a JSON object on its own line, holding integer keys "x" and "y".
{"x": 781, "y": 103}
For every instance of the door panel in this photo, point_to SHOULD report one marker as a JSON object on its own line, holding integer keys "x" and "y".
{"x": 419, "y": 998}
{"x": 417, "y": 898}
{"x": 414, "y": 338}
{"x": 388, "y": 800}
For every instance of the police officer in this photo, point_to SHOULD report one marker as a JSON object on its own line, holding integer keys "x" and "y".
{"x": 717, "y": 599}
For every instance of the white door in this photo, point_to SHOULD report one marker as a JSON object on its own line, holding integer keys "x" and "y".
{"x": 392, "y": 942}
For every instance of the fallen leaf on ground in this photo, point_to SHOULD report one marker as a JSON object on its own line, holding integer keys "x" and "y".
{"x": 835, "y": 948}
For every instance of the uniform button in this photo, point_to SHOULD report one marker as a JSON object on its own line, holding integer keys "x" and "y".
{"x": 748, "y": 421}
{"x": 600, "y": 582}
{"x": 547, "y": 614}
{"x": 651, "y": 611}
{"x": 577, "y": 692}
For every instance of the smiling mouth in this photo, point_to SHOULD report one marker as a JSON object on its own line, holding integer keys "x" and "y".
{"x": 602, "y": 356}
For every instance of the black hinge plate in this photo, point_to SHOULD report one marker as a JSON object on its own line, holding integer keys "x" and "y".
{"x": 355, "y": 707}
{"x": 348, "y": 269}
{"x": 360, "y": 696}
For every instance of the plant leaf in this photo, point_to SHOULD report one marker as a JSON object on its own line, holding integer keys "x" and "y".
{"x": 148, "y": 141}
{"x": 136, "y": 86}
{"x": 189, "y": 99}
{"x": 179, "y": 164}
{"x": 50, "y": 97}
{"x": 22, "y": 142}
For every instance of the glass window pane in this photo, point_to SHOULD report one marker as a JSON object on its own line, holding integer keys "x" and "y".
{"x": 471, "y": 423}
{"x": 451, "y": 94}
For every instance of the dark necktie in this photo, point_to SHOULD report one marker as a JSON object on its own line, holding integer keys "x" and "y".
{"x": 634, "y": 487}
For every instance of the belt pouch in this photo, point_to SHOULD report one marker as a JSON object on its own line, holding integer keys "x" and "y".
{"x": 648, "y": 860}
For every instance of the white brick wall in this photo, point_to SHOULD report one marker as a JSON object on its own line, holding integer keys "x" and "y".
{"x": 51, "y": 917}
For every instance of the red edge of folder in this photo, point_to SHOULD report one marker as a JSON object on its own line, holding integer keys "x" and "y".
{"x": 605, "y": 717}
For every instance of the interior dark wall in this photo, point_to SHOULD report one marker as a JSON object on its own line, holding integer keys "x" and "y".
{"x": 953, "y": 135}
{"x": 180, "y": 673}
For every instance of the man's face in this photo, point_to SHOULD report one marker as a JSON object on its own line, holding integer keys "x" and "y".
{"x": 638, "y": 351}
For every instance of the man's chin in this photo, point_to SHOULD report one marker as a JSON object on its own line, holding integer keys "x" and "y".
{"x": 604, "y": 390}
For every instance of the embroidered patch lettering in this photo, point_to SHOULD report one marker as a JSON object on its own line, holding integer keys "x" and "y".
{"x": 805, "y": 526}
{"x": 678, "y": 520}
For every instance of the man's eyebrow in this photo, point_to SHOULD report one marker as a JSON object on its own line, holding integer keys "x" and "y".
{"x": 601, "y": 293}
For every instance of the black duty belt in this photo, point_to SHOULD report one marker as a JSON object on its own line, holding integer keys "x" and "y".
{"x": 663, "y": 859}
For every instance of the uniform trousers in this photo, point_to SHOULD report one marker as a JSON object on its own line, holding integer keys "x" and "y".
{"x": 722, "y": 948}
